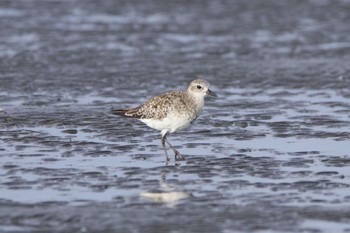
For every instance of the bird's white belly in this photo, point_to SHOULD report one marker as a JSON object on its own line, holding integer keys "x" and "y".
{"x": 170, "y": 124}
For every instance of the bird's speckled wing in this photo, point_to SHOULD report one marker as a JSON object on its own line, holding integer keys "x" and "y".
{"x": 159, "y": 106}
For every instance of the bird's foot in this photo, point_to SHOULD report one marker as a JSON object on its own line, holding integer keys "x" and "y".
{"x": 178, "y": 157}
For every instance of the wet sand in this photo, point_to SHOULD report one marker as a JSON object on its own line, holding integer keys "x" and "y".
{"x": 271, "y": 154}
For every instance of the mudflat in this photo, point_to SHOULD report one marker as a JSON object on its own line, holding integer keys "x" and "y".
{"x": 270, "y": 154}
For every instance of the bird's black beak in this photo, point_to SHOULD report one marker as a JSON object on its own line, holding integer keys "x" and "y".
{"x": 211, "y": 93}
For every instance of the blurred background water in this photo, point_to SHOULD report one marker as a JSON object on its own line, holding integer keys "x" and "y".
{"x": 271, "y": 154}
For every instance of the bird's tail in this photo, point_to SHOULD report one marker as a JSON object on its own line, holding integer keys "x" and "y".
{"x": 133, "y": 113}
{"x": 120, "y": 112}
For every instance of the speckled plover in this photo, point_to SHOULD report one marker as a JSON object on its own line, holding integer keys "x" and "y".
{"x": 171, "y": 111}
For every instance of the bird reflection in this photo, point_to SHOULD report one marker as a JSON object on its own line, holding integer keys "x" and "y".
{"x": 166, "y": 194}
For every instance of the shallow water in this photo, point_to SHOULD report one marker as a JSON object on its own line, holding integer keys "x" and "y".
{"x": 270, "y": 154}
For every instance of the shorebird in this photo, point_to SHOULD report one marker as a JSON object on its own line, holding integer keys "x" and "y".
{"x": 171, "y": 111}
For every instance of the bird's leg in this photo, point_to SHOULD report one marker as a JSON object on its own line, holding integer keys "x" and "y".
{"x": 178, "y": 157}
{"x": 164, "y": 147}
{"x": 171, "y": 146}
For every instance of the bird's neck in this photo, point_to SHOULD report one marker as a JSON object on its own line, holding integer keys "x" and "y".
{"x": 198, "y": 100}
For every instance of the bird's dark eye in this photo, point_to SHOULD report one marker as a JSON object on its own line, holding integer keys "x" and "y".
{"x": 199, "y": 87}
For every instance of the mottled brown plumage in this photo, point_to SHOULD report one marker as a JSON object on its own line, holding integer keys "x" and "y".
{"x": 160, "y": 106}
{"x": 171, "y": 111}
